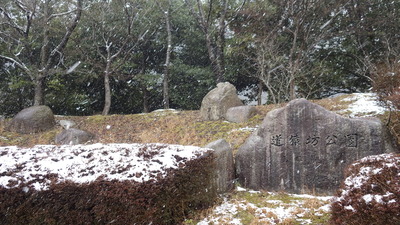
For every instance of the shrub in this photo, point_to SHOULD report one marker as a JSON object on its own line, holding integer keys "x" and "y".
{"x": 370, "y": 193}
{"x": 165, "y": 201}
{"x": 386, "y": 77}
{"x": 387, "y": 83}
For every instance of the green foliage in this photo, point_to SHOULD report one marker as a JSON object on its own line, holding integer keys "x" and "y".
{"x": 15, "y": 91}
{"x": 341, "y": 57}
{"x": 189, "y": 85}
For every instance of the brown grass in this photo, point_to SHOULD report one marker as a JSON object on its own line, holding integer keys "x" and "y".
{"x": 171, "y": 127}
{"x": 183, "y": 127}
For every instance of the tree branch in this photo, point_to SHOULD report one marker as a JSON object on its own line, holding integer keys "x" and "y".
{"x": 67, "y": 35}
{"x": 18, "y": 63}
{"x": 10, "y": 21}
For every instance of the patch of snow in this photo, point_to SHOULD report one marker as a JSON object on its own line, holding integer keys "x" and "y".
{"x": 238, "y": 188}
{"x": 162, "y": 111}
{"x": 228, "y": 211}
{"x": 368, "y": 198}
{"x": 86, "y": 163}
{"x": 244, "y": 129}
{"x": 365, "y": 104}
{"x": 325, "y": 208}
{"x": 356, "y": 181}
{"x": 349, "y": 207}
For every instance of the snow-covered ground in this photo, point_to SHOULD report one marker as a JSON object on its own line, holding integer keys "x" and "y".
{"x": 86, "y": 163}
{"x": 269, "y": 208}
{"x": 363, "y": 104}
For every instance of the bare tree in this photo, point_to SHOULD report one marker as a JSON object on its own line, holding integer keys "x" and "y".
{"x": 166, "y": 10}
{"x": 22, "y": 20}
{"x": 213, "y": 25}
{"x": 114, "y": 43}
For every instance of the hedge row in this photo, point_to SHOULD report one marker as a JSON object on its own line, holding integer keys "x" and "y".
{"x": 166, "y": 201}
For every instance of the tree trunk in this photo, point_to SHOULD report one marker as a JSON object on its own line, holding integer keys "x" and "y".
{"x": 215, "y": 45}
{"x": 213, "y": 58}
{"x": 145, "y": 99}
{"x": 39, "y": 94}
{"x": 293, "y": 64}
{"x": 220, "y": 43}
{"x": 107, "y": 94}
{"x": 167, "y": 61}
{"x": 260, "y": 90}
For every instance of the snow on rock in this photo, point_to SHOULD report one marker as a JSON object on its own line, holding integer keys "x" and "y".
{"x": 39, "y": 166}
{"x": 364, "y": 104}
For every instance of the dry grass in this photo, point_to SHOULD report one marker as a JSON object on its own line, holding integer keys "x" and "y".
{"x": 171, "y": 127}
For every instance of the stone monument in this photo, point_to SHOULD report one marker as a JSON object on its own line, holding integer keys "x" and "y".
{"x": 304, "y": 148}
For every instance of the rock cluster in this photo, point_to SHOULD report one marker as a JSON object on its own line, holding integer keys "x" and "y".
{"x": 217, "y": 102}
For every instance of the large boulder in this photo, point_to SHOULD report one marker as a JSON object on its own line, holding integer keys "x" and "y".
{"x": 218, "y": 101}
{"x": 32, "y": 120}
{"x": 240, "y": 114}
{"x": 73, "y": 136}
{"x": 225, "y": 167}
{"x": 304, "y": 148}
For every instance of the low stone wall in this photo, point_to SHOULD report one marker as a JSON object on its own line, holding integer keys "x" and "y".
{"x": 112, "y": 188}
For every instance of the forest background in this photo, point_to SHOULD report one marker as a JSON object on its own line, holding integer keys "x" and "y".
{"x": 83, "y": 57}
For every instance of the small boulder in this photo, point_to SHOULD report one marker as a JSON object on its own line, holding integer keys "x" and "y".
{"x": 66, "y": 124}
{"x": 225, "y": 168}
{"x": 240, "y": 114}
{"x": 73, "y": 136}
{"x": 32, "y": 120}
{"x": 217, "y": 102}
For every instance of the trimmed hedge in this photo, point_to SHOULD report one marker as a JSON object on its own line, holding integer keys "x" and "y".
{"x": 165, "y": 201}
{"x": 370, "y": 193}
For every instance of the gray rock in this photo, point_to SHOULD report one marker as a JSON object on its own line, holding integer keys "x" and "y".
{"x": 66, "y": 124}
{"x": 73, "y": 136}
{"x": 225, "y": 168}
{"x": 304, "y": 148}
{"x": 32, "y": 120}
{"x": 240, "y": 114}
{"x": 218, "y": 101}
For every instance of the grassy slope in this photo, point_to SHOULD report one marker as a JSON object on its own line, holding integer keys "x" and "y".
{"x": 179, "y": 127}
